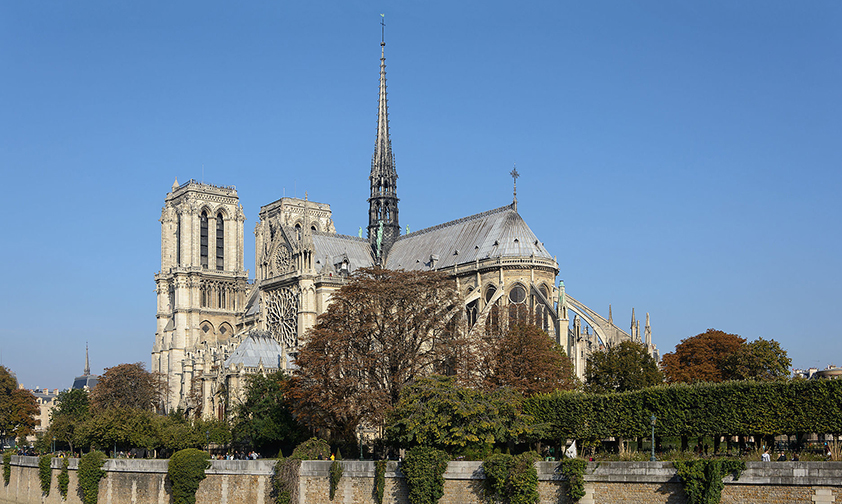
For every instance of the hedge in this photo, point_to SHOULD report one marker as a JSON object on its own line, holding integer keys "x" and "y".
{"x": 730, "y": 408}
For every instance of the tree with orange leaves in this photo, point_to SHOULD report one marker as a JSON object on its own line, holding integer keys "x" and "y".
{"x": 18, "y": 407}
{"x": 701, "y": 357}
{"x": 527, "y": 359}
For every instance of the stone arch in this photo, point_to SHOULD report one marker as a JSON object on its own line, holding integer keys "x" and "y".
{"x": 225, "y": 331}
{"x": 206, "y": 330}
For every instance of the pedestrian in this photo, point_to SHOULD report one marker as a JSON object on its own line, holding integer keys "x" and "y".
{"x": 765, "y": 457}
{"x": 782, "y": 457}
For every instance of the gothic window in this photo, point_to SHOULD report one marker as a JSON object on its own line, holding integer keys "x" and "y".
{"x": 472, "y": 312}
{"x": 490, "y": 293}
{"x": 298, "y": 231}
{"x": 220, "y": 243}
{"x": 282, "y": 315}
{"x": 518, "y": 309}
{"x": 204, "y": 239}
{"x": 178, "y": 240}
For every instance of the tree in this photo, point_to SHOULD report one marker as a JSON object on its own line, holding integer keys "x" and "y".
{"x": 127, "y": 386}
{"x": 264, "y": 419}
{"x": 701, "y": 357}
{"x": 528, "y": 360}
{"x": 18, "y": 407}
{"x": 383, "y": 330}
{"x": 437, "y": 412}
{"x": 759, "y": 360}
{"x": 623, "y": 367}
{"x": 70, "y": 411}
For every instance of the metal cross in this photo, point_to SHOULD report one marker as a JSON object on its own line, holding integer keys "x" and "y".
{"x": 515, "y": 175}
{"x": 382, "y": 28}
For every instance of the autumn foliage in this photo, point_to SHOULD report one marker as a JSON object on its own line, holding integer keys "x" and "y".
{"x": 18, "y": 407}
{"x": 382, "y": 330}
{"x": 127, "y": 386}
{"x": 528, "y": 360}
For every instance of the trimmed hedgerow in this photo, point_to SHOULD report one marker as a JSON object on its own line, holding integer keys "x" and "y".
{"x": 45, "y": 473}
{"x": 186, "y": 470}
{"x": 63, "y": 478}
{"x": 424, "y": 469}
{"x": 89, "y": 474}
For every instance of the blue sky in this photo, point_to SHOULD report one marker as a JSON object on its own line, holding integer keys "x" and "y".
{"x": 682, "y": 158}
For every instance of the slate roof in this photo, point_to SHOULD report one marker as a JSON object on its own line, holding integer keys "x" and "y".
{"x": 80, "y": 382}
{"x": 334, "y": 247}
{"x": 256, "y": 347}
{"x": 497, "y": 233}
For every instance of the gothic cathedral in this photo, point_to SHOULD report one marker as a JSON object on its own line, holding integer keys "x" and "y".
{"x": 215, "y": 326}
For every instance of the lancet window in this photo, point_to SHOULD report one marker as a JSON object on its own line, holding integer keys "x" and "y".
{"x": 204, "y": 239}
{"x": 220, "y": 243}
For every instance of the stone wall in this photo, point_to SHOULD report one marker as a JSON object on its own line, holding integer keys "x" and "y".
{"x": 249, "y": 482}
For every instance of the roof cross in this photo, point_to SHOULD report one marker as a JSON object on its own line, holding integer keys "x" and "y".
{"x": 515, "y": 175}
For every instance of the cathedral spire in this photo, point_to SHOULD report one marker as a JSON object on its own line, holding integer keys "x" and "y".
{"x": 87, "y": 370}
{"x": 383, "y": 202}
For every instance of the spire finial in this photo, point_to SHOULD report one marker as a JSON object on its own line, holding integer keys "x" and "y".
{"x": 382, "y": 30}
{"x": 514, "y": 175}
{"x": 87, "y": 370}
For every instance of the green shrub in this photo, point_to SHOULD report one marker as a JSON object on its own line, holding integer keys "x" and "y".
{"x": 7, "y": 467}
{"x": 312, "y": 449}
{"x": 424, "y": 469}
{"x": 285, "y": 481}
{"x": 379, "y": 480}
{"x": 335, "y": 476}
{"x": 186, "y": 470}
{"x": 63, "y": 478}
{"x": 45, "y": 473}
{"x": 523, "y": 479}
{"x": 574, "y": 470}
{"x": 90, "y": 472}
{"x": 512, "y": 479}
{"x": 703, "y": 478}
{"x": 496, "y": 468}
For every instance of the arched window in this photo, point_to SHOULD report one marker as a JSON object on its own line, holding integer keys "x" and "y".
{"x": 204, "y": 242}
{"x": 178, "y": 240}
{"x": 220, "y": 242}
{"x": 298, "y": 231}
{"x": 518, "y": 308}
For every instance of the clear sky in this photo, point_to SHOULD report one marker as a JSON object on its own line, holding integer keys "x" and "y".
{"x": 682, "y": 158}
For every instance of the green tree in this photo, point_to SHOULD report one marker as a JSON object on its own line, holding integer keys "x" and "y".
{"x": 701, "y": 357}
{"x": 437, "y": 412}
{"x": 759, "y": 360}
{"x": 121, "y": 427}
{"x": 382, "y": 330}
{"x": 70, "y": 412}
{"x": 18, "y": 407}
{"x": 264, "y": 418}
{"x": 623, "y": 367}
{"x": 528, "y": 360}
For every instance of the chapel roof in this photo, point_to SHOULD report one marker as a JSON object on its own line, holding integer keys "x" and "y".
{"x": 256, "y": 348}
{"x": 334, "y": 247}
{"x": 497, "y": 233}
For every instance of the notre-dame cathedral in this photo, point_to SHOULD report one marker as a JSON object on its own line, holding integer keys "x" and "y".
{"x": 215, "y": 326}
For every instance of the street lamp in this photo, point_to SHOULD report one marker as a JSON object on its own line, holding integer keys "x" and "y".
{"x": 207, "y": 438}
{"x": 360, "y": 432}
{"x": 652, "y": 456}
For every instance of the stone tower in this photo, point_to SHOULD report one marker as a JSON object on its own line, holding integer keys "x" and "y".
{"x": 202, "y": 284}
{"x": 383, "y": 225}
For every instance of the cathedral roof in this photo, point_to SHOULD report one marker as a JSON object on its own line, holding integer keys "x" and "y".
{"x": 497, "y": 233}
{"x": 336, "y": 247}
{"x": 257, "y": 347}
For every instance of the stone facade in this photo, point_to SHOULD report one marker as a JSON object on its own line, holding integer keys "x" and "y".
{"x": 249, "y": 482}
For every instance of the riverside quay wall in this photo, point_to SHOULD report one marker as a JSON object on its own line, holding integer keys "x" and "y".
{"x": 249, "y": 482}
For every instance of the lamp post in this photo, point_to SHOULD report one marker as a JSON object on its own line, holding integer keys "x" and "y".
{"x": 652, "y": 456}
{"x": 54, "y": 445}
{"x": 207, "y": 439}
{"x": 360, "y": 432}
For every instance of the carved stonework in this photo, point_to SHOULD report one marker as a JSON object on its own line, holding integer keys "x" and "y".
{"x": 282, "y": 314}
{"x": 282, "y": 260}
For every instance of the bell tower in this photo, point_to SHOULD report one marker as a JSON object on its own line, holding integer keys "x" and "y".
{"x": 383, "y": 225}
{"x": 202, "y": 284}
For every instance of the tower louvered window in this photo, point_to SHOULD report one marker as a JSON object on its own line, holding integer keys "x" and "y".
{"x": 220, "y": 243}
{"x": 204, "y": 240}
